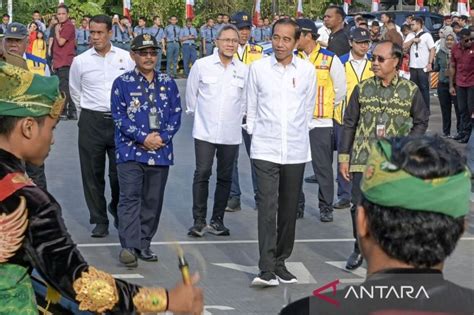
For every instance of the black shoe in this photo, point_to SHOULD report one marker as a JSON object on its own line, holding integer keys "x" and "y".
{"x": 217, "y": 227}
{"x": 464, "y": 140}
{"x": 354, "y": 261}
{"x": 325, "y": 215}
{"x": 265, "y": 279}
{"x": 198, "y": 229}
{"x": 458, "y": 137}
{"x": 285, "y": 276}
{"x": 100, "y": 230}
{"x": 72, "y": 116}
{"x": 311, "y": 179}
{"x": 300, "y": 213}
{"x": 146, "y": 255}
{"x": 128, "y": 257}
{"x": 342, "y": 204}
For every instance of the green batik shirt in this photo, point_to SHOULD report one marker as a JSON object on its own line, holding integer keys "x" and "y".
{"x": 398, "y": 109}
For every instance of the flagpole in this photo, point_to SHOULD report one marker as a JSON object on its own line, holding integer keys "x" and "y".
{"x": 10, "y": 9}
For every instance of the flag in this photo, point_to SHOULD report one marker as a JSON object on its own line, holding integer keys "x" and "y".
{"x": 418, "y": 5}
{"x": 462, "y": 7}
{"x": 375, "y": 5}
{"x": 61, "y": 2}
{"x": 256, "y": 12}
{"x": 190, "y": 9}
{"x": 127, "y": 7}
{"x": 299, "y": 9}
{"x": 347, "y": 3}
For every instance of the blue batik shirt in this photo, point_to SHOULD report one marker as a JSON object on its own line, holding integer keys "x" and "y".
{"x": 130, "y": 110}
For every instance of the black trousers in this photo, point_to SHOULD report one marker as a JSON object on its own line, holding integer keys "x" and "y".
{"x": 278, "y": 190}
{"x": 36, "y": 173}
{"x": 465, "y": 96}
{"x": 142, "y": 188}
{"x": 205, "y": 152}
{"x": 421, "y": 79}
{"x": 63, "y": 75}
{"x": 446, "y": 102}
{"x": 322, "y": 147}
{"x": 356, "y": 199}
{"x": 96, "y": 141}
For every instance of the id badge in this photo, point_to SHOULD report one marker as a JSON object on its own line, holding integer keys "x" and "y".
{"x": 380, "y": 131}
{"x": 153, "y": 121}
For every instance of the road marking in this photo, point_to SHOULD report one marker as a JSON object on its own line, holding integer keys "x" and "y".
{"x": 128, "y": 276}
{"x": 319, "y": 240}
{"x": 297, "y": 268}
{"x": 360, "y": 272}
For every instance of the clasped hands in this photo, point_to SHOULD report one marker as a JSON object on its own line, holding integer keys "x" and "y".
{"x": 153, "y": 142}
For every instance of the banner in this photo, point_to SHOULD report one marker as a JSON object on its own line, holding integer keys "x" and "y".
{"x": 418, "y": 5}
{"x": 127, "y": 7}
{"x": 347, "y": 3}
{"x": 256, "y": 12}
{"x": 462, "y": 7}
{"x": 299, "y": 9}
{"x": 375, "y": 5}
{"x": 190, "y": 9}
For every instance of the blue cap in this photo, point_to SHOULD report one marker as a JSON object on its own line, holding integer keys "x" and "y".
{"x": 16, "y": 30}
{"x": 306, "y": 25}
{"x": 360, "y": 35}
{"x": 241, "y": 20}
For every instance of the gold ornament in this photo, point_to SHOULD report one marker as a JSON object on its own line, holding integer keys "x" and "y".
{"x": 151, "y": 300}
{"x": 12, "y": 230}
{"x": 96, "y": 291}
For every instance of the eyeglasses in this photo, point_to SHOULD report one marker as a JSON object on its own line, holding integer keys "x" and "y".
{"x": 142, "y": 53}
{"x": 379, "y": 59}
{"x": 467, "y": 40}
{"x": 228, "y": 41}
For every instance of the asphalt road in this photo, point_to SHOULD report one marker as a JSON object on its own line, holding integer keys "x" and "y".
{"x": 226, "y": 264}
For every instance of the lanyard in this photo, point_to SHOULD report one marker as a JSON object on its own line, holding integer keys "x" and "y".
{"x": 152, "y": 97}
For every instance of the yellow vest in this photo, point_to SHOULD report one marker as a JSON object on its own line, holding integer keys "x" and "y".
{"x": 251, "y": 53}
{"x": 38, "y": 50}
{"x": 322, "y": 60}
{"x": 352, "y": 80}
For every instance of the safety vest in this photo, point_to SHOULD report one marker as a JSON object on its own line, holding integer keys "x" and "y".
{"x": 251, "y": 53}
{"x": 352, "y": 80}
{"x": 37, "y": 59}
{"x": 322, "y": 60}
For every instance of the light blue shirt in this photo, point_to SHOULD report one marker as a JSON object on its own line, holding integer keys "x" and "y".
{"x": 172, "y": 33}
{"x": 209, "y": 33}
{"x": 116, "y": 33}
{"x": 157, "y": 33}
{"x": 82, "y": 36}
{"x": 185, "y": 31}
{"x": 141, "y": 30}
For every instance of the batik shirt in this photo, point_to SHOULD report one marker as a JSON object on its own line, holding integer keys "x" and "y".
{"x": 133, "y": 98}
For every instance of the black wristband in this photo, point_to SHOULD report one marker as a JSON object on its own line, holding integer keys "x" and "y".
{"x": 167, "y": 299}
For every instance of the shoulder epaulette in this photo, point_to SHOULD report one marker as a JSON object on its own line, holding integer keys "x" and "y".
{"x": 326, "y": 52}
{"x": 344, "y": 58}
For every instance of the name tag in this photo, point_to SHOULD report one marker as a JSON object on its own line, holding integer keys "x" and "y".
{"x": 136, "y": 94}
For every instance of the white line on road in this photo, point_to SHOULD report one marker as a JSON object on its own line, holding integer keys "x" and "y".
{"x": 319, "y": 240}
{"x": 128, "y": 276}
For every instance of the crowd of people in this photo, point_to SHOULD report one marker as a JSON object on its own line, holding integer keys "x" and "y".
{"x": 320, "y": 90}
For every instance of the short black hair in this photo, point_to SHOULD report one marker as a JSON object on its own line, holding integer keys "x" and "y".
{"x": 8, "y": 123}
{"x": 142, "y": 18}
{"x": 313, "y": 36}
{"x": 419, "y": 20}
{"x": 288, "y": 21}
{"x": 465, "y": 32}
{"x": 6, "y": 15}
{"x": 390, "y": 15}
{"x": 464, "y": 17}
{"x": 36, "y": 11}
{"x": 455, "y": 24}
{"x": 63, "y": 6}
{"x": 405, "y": 27}
{"x": 421, "y": 239}
{"x": 102, "y": 19}
{"x": 396, "y": 51}
{"x": 339, "y": 10}
{"x": 375, "y": 23}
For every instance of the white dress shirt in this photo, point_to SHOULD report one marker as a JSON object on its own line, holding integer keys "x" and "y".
{"x": 358, "y": 64}
{"x": 280, "y": 104}
{"x": 338, "y": 77}
{"x": 91, "y": 77}
{"x": 215, "y": 94}
{"x": 422, "y": 50}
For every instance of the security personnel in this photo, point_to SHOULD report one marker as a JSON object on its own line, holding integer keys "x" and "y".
{"x": 82, "y": 37}
{"x": 171, "y": 50}
{"x": 247, "y": 53}
{"x": 208, "y": 36}
{"x": 358, "y": 68}
{"x": 187, "y": 37}
{"x": 331, "y": 90}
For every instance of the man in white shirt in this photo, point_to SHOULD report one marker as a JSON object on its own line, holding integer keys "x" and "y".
{"x": 215, "y": 95}
{"x": 281, "y": 94}
{"x": 90, "y": 82}
{"x": 422, "y": 54}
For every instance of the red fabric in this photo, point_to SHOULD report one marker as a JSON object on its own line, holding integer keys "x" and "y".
{"x": 13, "y": 182}
{"x": 31, "y": 40}
{"x": 464, "y": 62}
{"x": 63, "y": 56}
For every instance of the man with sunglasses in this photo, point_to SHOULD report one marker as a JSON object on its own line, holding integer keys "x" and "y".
{"x": 146, "y": 109}
{"x": 380, "y": 107}
{"x": 215, "y": 95}
{"x": 461, "y": 81}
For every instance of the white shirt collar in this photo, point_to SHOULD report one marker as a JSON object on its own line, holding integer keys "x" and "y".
{"x": 216, "y": 59}
{"x": 112, "y": 50}
{"x": 274, "y": 61}
{"x": 351, "y": 57}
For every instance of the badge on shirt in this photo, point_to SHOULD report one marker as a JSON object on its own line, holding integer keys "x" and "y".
{"x": 380, "y": 131}
{"x": 153, "y": 120}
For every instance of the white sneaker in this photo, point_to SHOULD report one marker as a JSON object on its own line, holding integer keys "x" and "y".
{"x": 265, "y": 279}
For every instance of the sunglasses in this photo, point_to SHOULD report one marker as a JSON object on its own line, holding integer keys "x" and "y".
{"x": 467, "y": 40}
{"x": 379, "y": 59}
{"x": 141, "y": 53}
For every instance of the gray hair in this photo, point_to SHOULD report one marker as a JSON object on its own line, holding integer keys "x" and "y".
{"x": 228, "y": 27}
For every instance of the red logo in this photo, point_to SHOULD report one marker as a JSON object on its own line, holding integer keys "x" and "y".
{"x": 333, "y": 285}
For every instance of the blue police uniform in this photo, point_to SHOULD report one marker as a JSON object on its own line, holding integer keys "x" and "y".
{"x": 158, "y": 33}
{"x": 141, "y": 30}
{"x": 259, "y": 34}
{"x": 120, "y": 38}
{"x": 82, "y": 40}
{"x": 209, "y": 34}
{"x": 172, "y": 48}
{"x": 189, "y": 47}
